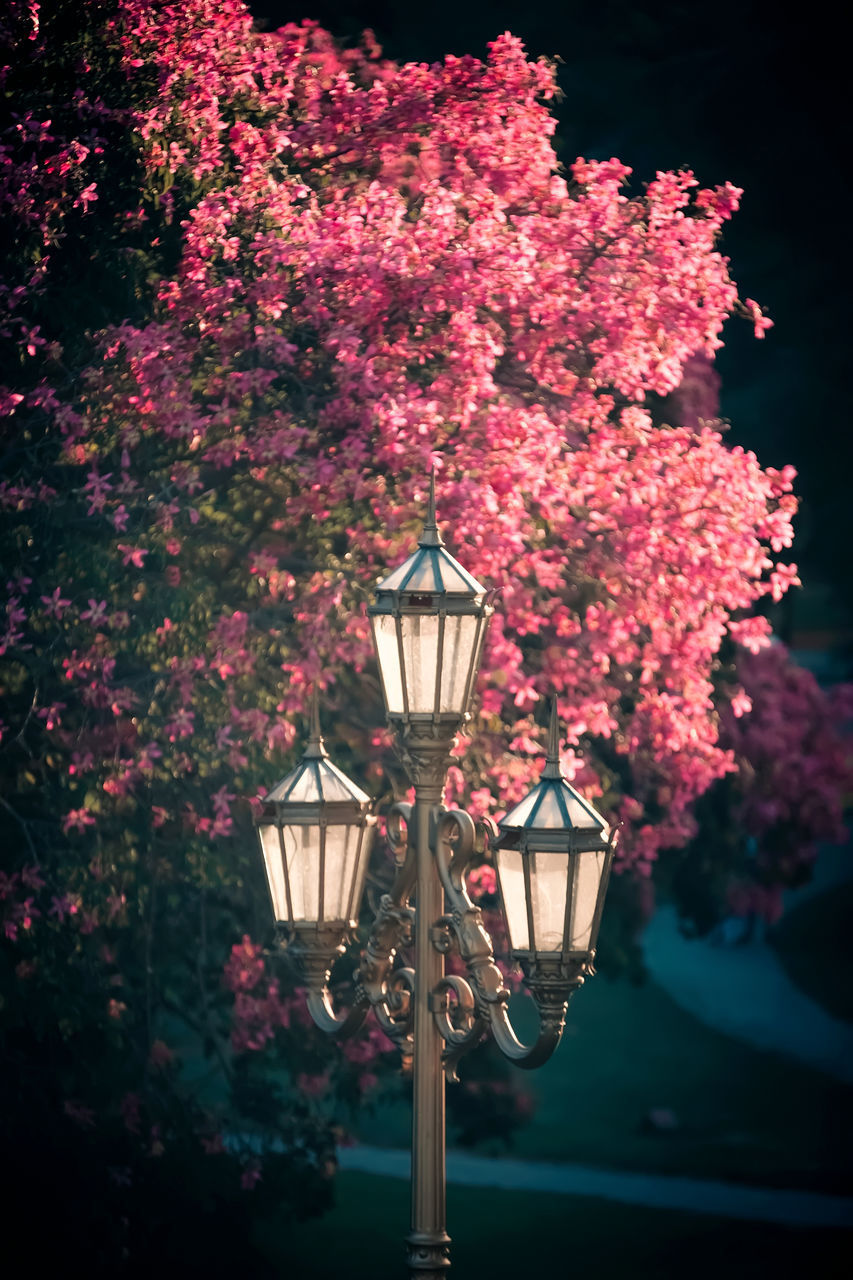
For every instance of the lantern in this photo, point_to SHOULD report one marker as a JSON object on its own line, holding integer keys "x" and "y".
{"x": 315, "y": 832}
{"x": 429, "y": 622}
{"x": 553, "y": 860}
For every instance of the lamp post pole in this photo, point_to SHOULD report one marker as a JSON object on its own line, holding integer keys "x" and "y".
{"x": 428, "y": 1240}
{"x": 552, "y": 854}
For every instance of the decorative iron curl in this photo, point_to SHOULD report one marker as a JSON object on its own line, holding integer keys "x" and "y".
{"x": 459, "y": 1039}
{"x": 396, "y": 832}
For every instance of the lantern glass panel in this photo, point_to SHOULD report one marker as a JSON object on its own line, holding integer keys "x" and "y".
{"x": 302, "y": 859}
{"x": 458, "y": 581}
{"x": 305, "y": 788}
{"x": 460, "y": 636}
{"x": 424, "y": 577}
{"x": 511, "y": 875}
{"x": 336, "y": 785}
{"x": 549, "y": 873}
{"x": 588, "y": 870}
{"x": 395, "y": 580}
{"x": 420, "y": 658}
{"x": 341, "y": 869}
{"x": 388, "y": 653}
{"x": 549, "y": 814}
{"x": 521, "y": 813}
{"x": 271, "y": 849}
{"x": 582, "y": 817}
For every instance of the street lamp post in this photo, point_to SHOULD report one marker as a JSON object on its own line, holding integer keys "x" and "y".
{"x": 552, "y": 852}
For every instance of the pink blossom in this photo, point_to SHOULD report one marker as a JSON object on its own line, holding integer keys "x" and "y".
{"x": 9, "y": 401}
{"x": 52, "y": 715}
{"x": 96, "y": 612}
{"x": 250, "y": 1176}
{"x": 63, "y": 906}
{"x": 132, "y": 555}
{"x": 760, "y": 321}
{"x": 181, "y": 725}
{"x": 482, "y": 881}
{"x": 86, "y": 196}
{"x": 55, "y": 604}
{"x": 31, "y": 877}
{"x": 78, "y": 820}
{"x": 741, "y": 704}
{"x": 81, "y": 762}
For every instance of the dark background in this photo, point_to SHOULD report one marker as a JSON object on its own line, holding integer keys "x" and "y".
{"x": 738, "y": 91}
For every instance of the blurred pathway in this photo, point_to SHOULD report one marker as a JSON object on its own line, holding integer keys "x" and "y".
{"x": 692, "y": 1195}
{"x": 743, "y": 989}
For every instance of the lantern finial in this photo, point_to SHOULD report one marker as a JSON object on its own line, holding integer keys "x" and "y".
{"x": 316, "y": 748}
{"x": 552, "y": 761}
{"x": 431, "y": 536}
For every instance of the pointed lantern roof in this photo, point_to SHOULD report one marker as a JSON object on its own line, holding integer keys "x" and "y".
{"x": 315, "y": 780}
{"x": 431, "y": 570}
{"x": 553, "y": 804}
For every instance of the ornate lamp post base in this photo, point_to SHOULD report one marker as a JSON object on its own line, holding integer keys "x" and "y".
{"x": 429, "y": 1254}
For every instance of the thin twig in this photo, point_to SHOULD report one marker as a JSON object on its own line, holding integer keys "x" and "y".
{"x": 24, "y": 825}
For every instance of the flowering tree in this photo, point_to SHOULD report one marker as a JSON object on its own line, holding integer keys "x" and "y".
{"x": 257, "y": 288}
{"x": 759, "y": 827}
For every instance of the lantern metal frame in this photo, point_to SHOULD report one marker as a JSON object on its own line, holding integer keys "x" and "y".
{"x": 436, "y": 1018}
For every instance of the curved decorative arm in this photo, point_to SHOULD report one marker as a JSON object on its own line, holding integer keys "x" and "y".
{"x": 481, "y": 1002}
{"x": 551, "y": 983}
{"x": 312, "y": 950}
{"x": 389, "y": 991}
{"x": 341, "y": 1024}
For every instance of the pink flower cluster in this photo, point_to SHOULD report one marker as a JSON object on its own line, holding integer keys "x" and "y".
{"x": 796, "y": 771}
{"x": 258, "y": 1008}
{"x": 17, "y": 901}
